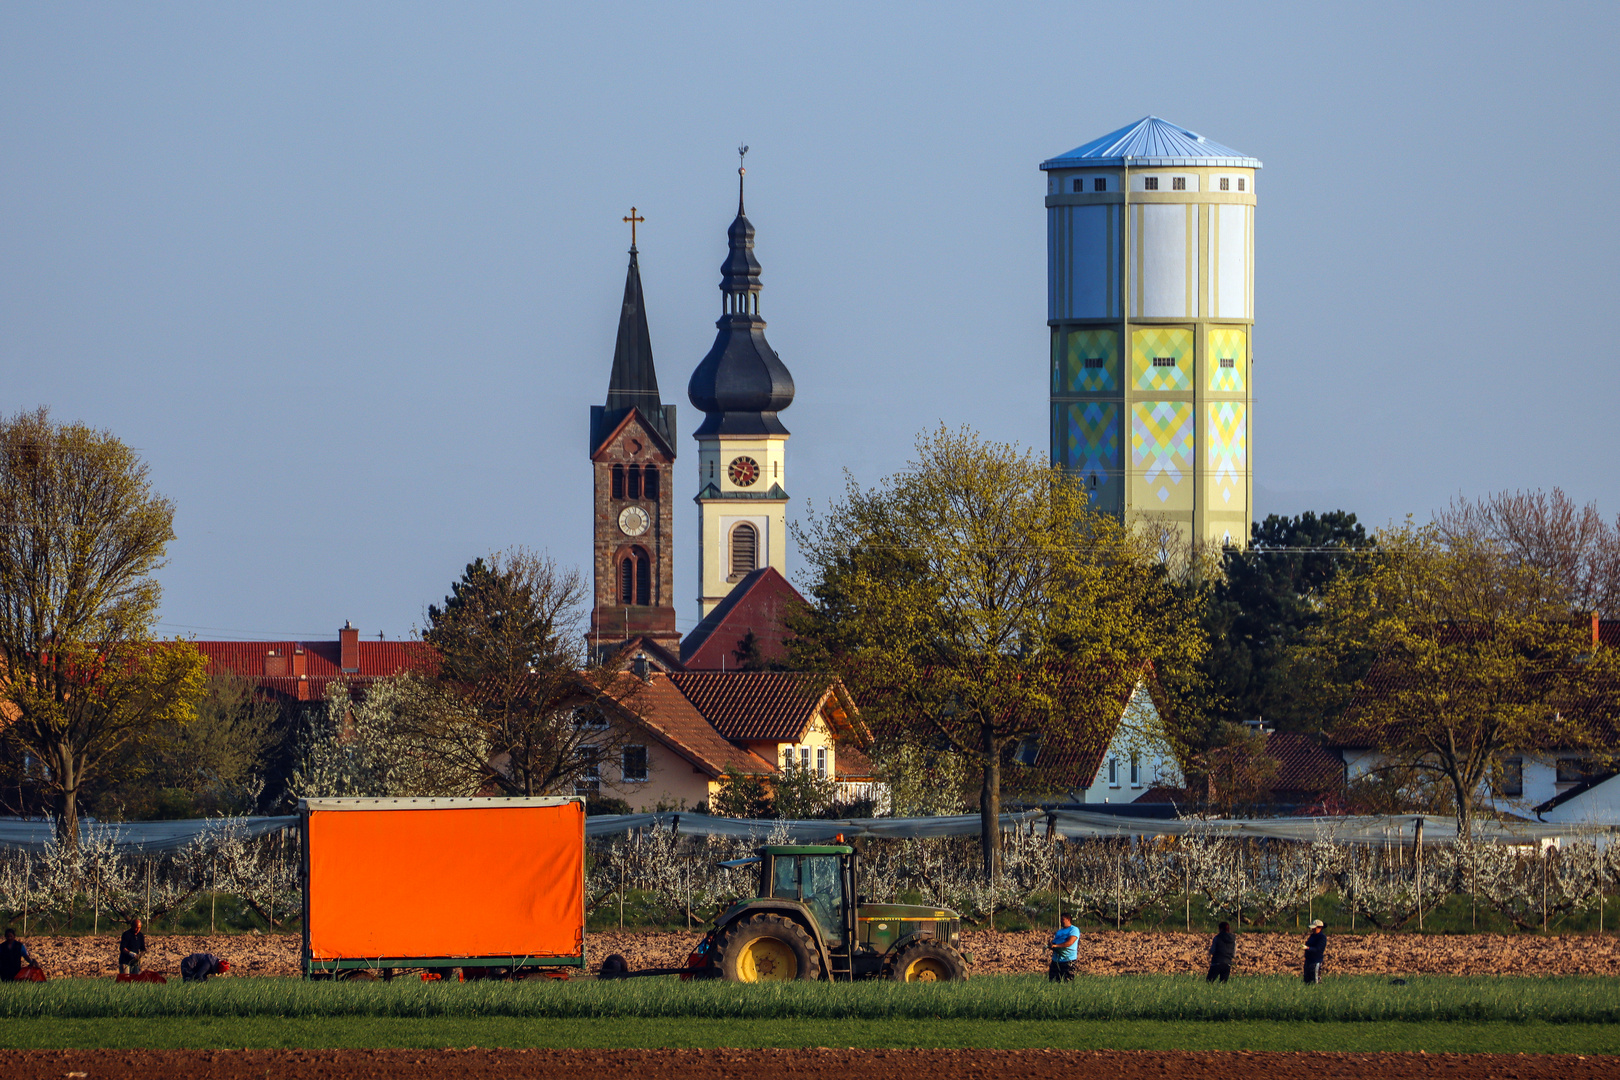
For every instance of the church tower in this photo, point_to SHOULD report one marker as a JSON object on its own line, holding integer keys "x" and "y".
{"x": 740, "y": 386}
{"x": 632, "y": 463}
{"x": 1150, "y": 301}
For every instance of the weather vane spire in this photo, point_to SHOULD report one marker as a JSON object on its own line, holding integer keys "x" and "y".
{"x": 742, "y": 153}
{"x": 633, "y": 220}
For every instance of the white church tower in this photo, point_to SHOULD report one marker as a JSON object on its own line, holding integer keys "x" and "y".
{"x": 740, "y": 387}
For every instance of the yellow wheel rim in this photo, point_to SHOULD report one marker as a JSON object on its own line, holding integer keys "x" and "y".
{"x": 927, "y": 969}
{"x": 767, "y": 960}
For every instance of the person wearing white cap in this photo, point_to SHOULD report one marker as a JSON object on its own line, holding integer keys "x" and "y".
{"x": 1315, "y": 950}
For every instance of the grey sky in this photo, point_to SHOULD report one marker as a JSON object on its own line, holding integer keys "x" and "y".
{"x": 349, "y": 275}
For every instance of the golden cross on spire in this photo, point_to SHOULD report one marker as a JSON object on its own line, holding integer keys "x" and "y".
{"x": 633, "y": 219}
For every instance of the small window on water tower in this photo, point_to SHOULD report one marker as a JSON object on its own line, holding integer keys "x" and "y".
{"x": 1240, "y": 183}
{"x": 1228, "y": 362}
{"x": 1099, "y": 184}
{"x": 1164, "y": 361}
{"x": 1079, "y": 184}
{"x": 1178, "y": 183}
{"x": 1226, "y": 183}
{"x": 1150, "y": 183}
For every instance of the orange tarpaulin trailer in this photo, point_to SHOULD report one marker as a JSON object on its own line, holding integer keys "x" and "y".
{"x": 392, "y": 883}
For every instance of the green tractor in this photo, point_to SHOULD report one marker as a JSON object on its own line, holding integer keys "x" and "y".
{"x": 806, "y": 923}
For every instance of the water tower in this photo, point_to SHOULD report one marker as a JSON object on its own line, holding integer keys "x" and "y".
{"x": 1150, "y": 299}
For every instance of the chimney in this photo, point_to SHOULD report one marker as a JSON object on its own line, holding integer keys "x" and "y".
{"x": 349, "y": 647}
{"x": 1597, "y": 634}
{"x": 641, "y": 668}
{"x": 300, "y": 663}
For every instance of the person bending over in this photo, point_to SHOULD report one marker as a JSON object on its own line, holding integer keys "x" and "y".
{"x": 200, "y": 965}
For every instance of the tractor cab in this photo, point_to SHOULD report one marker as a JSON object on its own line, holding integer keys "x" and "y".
{"x": 806, "y": 921}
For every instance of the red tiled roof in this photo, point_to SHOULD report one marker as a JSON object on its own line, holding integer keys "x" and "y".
{"x": 758, "y": 603}
{"x": 664, "y": 711}
{"x": 1303, "y": 764}
{"x": 749, "y": 706}
{"x": 850, "y": 763}
{"x": 274, "y": 665}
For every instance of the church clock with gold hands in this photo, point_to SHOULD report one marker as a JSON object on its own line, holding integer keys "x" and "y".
{"x": 743, "y": 471}
{"x": 633, "y": 521}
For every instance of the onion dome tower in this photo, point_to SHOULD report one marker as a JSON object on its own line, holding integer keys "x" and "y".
{"x": 1150, "y": 301}
{"x": 740, "y": 386}
{"x": 632, "y": 463}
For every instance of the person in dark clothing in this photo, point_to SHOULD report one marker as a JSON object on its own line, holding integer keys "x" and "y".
{"x": 199, "y": 965}
{"x": 1221, "y": 952}
{"x": 1315, "y": 950}
{"x": 12, "y": 955}
{"x": 131, "y": 949}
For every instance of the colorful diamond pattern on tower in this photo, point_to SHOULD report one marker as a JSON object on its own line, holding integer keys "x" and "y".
{"x": 1228, "y": 441}
{"x": 1093, "y": 346}
{"x": 1228, "y": 345}
{"x": 1162, "y": 444}
{"x": 1094, "y": 440}
{"x": 1162, "y": 343}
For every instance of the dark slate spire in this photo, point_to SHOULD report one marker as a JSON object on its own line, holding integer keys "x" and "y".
{"x": 634, "y": 382}
{"x": 742, "y": 383}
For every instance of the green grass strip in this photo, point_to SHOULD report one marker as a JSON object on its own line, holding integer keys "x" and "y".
{"x": 1159, "y": 998}
{"x": 378, "y": 1032}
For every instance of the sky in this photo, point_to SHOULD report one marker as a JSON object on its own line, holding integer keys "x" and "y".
{"x": 348, "y": 275}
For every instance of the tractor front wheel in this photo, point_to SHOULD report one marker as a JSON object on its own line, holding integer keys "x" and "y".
{"x": 767, "y": 948}
{"x": 928, "y": 961}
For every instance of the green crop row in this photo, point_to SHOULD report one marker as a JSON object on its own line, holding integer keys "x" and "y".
{"x": 1134, "y": 997}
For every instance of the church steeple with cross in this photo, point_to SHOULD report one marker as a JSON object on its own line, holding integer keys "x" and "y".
{"x": 741, "y": 386}
{"x": 633, "y": 459}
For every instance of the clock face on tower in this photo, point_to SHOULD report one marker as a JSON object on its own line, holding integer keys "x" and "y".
{"x": 633, "y": 521}
{"x": 743, "y": 471}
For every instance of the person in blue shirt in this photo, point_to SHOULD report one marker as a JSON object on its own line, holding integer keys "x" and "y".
{"x": 1315, "y": 953}
{"x": 13, "y": 954}
{"x": 1065, "y": 948}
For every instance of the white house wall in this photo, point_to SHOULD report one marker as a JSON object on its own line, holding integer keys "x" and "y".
{"x": 1140, "y": 731}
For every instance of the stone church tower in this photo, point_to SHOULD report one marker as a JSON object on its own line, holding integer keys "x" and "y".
{"x": 740, "y": 387}
{"x": 632, "y": 462}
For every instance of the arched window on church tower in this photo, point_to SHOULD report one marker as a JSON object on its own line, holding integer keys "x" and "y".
{"x": 744, "y": 550}
{"x": 618, "y": 481}
{"x": 649, "y": 482}
{"x": 643, "y": 578}
{"x": 632, "y": 486}
{"x": 627, "y": 580}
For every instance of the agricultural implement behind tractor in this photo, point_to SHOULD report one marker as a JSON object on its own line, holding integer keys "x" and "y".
{"x": 806, "y": 923}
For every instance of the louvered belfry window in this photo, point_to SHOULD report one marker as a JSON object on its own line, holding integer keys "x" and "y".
{"x": 744, "y": 549}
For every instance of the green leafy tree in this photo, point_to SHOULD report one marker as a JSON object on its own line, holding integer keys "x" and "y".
{"x": 214, "y": 764}
{"x": 1475, "y": 659}
{"x": 84, "y": 675}
{"x": 511, "y": 646}
{"x": 1264, "y": 601}
{"x": 741, "y": 795}
{"x": 381, "y": 745}
{"x": 978, "y": 599}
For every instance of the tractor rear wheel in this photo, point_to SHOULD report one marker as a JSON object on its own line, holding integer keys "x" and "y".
{"x": 928, "y": 961}
{"x": 767, "y": 948}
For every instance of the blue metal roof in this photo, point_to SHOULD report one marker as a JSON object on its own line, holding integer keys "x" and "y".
{"x": 1152, "y": 142}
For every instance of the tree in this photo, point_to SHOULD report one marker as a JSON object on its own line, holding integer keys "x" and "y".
{"x": 81, "y": 534}
{"x": 1575, "y": 548}
{"x": 1265, "y": 600}
{"x": 382, "y": 745}
{"x": 212, "y": 765}
{"x": 1475, "y": 659}
{"x": 978, "y": 599}
{"x": 511, "y": 647}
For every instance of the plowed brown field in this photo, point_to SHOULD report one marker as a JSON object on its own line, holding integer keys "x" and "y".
{"x": 832, "y": 1064}
{"x": 1101, "y": 953}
